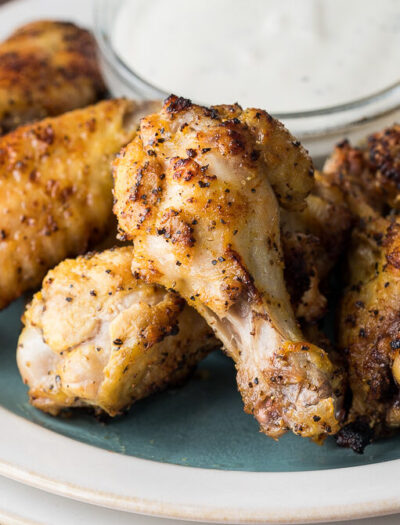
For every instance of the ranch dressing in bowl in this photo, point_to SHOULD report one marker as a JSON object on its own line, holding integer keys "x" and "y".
{"x": 319, "y": 65}
{"x": 284, "y": 55}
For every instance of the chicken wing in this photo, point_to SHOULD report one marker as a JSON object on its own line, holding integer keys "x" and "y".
{"x": 195, "y": 190}
{"x": 370, "y": 323}
{"x": 312, "y": 241}
{"x": 47, "y": 68}
{"x": 370, "y": 173}
{"x": 96, "y": 336}
{"x": 55, "y": 189}
{"x": 369, "y": 327}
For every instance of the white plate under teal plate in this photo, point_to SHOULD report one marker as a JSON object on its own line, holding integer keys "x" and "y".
{"x": 43, "y": 508}
{"x": 187, "y": 453}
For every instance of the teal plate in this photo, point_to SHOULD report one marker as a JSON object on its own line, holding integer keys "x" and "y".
{"x": 201, "y": 424}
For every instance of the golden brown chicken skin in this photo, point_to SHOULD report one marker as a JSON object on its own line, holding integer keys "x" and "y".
{"x": 97, "y": 337}
{"x": 370, "y": 172}
{"x": 47, "y": 68}
{"x": 55, "y": 189}
{"x": 312, "y": 241}
{"x": 369, "y": 328}
{"x": 197, "y": 192}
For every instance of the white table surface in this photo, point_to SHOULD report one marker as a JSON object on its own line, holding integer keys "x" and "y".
{"x": 20, "y": 504}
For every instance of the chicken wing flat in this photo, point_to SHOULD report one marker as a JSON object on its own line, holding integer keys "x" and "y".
{"x": 96, "y": 336}
{"x": 55, "y": 189}
{"x": 196, "y": 190}
{"x": 47, "y": 68}
{"x": 369, "y": 316}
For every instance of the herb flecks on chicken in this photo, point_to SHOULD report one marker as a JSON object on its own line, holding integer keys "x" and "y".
{"x": 369, "y": 329}
{"x": 198, "y": 191}
{"x": 97, "y": 337}
{"x": 55, "y": 189}
{"x": 370, "y": 322}
{"x": 47, "y": 68}
{"x": 312, "y": 241}
{"x": 370, "y": 173}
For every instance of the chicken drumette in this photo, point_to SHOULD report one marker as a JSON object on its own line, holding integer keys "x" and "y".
{"x": 197, "y": 191}
{"x": 96, "y": 336}
{"x": 55, "y": 189}
{"x": 47, "y": 68}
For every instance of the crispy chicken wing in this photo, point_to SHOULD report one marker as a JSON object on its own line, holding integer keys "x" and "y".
{"x": 195, "y": 190}
{"x": 369, "y": 316}
{"x": 370, "y": 173}
{"x": 96, "y": 336}
{"x": 55, "y": 189}
{"x": 312, "y": 241}
{"x": 369, "y": 329}
{"x": 47, "y": 68}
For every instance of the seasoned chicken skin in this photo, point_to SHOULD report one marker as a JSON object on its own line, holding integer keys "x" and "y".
{"x": 55, "y": 189}
{"x": 370, "y": 173}
{"x": 369, "y": 327}
{"x": 47, "y": 68}
{"x": 312, "y": 241}
{"x": 195, "y": 190}
{"x": 96, "y": 336}
{"x": 369, "y": 330}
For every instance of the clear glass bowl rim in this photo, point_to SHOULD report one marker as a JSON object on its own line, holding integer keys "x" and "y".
{"x": 102, "y": 30}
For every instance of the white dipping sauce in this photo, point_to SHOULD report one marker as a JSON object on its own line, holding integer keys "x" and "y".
{"x": 283, "y": 55}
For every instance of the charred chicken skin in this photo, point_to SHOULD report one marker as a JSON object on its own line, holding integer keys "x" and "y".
{"x": 197, "y": 191}
{"x": 369, "y": 331}
{"x": 312, "y": 241}
{"x": 47, "y": 68}
{"x": 97, "y": 337}
{"x": 55, "y": 189}
{"x": 370, "y": 173}
{"x": 369, "y": 316}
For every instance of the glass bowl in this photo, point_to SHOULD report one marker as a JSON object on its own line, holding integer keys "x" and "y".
{"x": 318, "y": 129}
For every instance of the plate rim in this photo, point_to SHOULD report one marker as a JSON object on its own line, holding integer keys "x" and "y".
{"x": 172, "y": 491}
{"x": 24, "y": 444}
